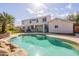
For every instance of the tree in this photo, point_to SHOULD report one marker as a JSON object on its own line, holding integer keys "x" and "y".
{"x": 77, "y": 19}
{"x": 74, "y": 18}
{"x": 71, "y": 17}
{"x": 6, "y": 19}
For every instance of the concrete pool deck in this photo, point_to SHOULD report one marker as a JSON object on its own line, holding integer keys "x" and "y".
{"x": 64, "y": 37}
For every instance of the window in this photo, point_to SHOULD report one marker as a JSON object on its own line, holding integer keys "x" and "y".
{"x": 30, "y": 21}
{"x": 33, "y": 19}
{"x": 23, "y": 27}
{"x": 37, "y": 20}
{"x": 32, "y": 27}
{"x": 44, "y": 19}
{"x": 22, "y": 22}
{"x": 56, "y": 26}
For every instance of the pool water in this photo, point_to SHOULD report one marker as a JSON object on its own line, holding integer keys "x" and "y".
{"x": 41, "y": 45}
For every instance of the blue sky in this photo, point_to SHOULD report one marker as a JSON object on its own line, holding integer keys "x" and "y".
{"x": 28, "y": 10}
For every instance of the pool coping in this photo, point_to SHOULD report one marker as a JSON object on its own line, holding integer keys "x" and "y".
{"x": 64, "y": 37}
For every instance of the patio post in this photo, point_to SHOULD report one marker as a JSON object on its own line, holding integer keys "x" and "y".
{"x": 34, "y": 29}
{"x": 43, "y": 28}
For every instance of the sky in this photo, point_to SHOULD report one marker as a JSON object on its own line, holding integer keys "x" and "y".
{"x": 23, "y": 11}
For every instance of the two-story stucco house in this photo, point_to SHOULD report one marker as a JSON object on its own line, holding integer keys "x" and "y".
{"x": 38, "y": 24}
{"x": 46, "y": 24}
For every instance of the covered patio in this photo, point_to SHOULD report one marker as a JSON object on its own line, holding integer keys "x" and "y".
{"x": 38, "y": 28}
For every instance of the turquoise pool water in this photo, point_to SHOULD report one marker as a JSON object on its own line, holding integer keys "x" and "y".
{"x": 41, "y": 45}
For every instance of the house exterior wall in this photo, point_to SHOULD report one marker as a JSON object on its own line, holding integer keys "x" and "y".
{"x": 59, "y": 26}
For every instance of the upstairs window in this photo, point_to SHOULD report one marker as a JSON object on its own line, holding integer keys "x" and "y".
{"x": 37, "y": 20}
{"x": 44, "y": 19}
{"x": 22, "y": 22}
{"x": 33, "y": 19}
{"x": 30, "y": 21}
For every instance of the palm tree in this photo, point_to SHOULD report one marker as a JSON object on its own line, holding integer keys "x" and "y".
{"x": 5, "y": 19}
{"x": 2, "y": 20}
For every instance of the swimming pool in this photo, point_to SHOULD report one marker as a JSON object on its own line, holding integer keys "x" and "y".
{"x": 42, "y": 45}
